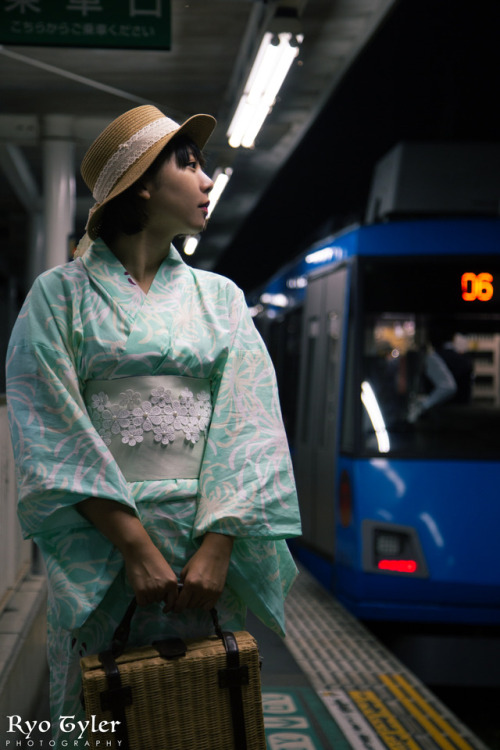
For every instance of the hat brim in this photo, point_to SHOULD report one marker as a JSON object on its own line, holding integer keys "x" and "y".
{"x": 198, "y": 127}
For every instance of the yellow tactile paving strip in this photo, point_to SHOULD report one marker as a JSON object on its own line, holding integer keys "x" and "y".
{"x": 375, "y": 700}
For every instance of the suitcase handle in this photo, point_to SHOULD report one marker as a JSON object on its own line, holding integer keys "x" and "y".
{"x": 233, "y": 677}
{"x": 122, "y": 632}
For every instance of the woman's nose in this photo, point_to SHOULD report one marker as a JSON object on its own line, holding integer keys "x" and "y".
{"x": 208, "y": 183}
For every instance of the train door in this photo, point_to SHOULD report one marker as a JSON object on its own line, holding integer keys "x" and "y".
{"x": 316, "y": 436}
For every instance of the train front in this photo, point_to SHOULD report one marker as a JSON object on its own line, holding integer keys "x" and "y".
{"x": 397, "y": 445}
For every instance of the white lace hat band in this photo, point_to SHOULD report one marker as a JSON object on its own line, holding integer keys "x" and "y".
{"x": 128, "y": 153}
{"x": 127, "y": 147}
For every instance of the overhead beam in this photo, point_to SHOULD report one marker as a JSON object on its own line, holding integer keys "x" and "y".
{"x": 26, "y": 130}
{"x": 73, "y": 76}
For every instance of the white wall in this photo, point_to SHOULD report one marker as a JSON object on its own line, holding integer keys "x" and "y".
{"x": 23, "y": 663}
{"x": 15, "y": 553}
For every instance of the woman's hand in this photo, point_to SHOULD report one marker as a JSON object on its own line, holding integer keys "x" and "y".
{"x": 149, "y": 574}
{"x": 204, "y": 576}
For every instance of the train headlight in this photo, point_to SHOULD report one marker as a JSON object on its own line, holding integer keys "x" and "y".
{"x": 388, "y": 544}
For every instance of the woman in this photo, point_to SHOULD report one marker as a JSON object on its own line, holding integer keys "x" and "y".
{"x": 145, "y": 419}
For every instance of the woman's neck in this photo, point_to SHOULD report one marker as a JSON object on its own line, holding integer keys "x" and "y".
{"x": 141, "y": 256}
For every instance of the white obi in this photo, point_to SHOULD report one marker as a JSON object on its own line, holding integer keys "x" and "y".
{"x": 154, "y": 425}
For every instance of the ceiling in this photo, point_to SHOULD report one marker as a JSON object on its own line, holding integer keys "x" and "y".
{"x": 429, "y": 73}
{"x": 213, "y": 45}
{"x": 369, "y": 73}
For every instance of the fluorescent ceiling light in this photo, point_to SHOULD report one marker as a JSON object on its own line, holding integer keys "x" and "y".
{"x": 320, "y": 256}
{"x": 274, "y": 58}
{"x": 255, "y": 310}
{"x": 220, "y": 178}
{"x": 299, "y": 282}
{"x": 277, "y": 300}
{"x": 325, "y": 254}
{"x": 190, "y": 245}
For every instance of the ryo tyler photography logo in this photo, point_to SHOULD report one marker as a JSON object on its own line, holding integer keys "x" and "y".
{"x": 23, "y": 733}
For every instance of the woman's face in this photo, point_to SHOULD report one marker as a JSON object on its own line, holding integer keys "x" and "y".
{"x": 178, "y": 198}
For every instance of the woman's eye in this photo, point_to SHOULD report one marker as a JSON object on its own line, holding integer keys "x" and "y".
{"x": 193, "y": 164}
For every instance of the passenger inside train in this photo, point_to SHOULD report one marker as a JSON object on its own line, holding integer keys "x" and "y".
{"x": 432, "y": 389}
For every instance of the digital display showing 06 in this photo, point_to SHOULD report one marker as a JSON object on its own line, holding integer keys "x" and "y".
{"x": 477, "y": 287}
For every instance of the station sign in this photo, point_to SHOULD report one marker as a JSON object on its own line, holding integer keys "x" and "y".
{"x": 446, "y": 284}
{"x": 105, "y": 24}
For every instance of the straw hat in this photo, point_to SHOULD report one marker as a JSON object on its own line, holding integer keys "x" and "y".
{"x": 127, "y": 147}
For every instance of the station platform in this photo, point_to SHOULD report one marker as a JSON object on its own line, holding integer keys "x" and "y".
{"x": 338, "y": 687}
{"x": 330, "y": 685}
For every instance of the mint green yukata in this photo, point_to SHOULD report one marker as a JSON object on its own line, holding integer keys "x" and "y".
{"x": 87, "y": 325}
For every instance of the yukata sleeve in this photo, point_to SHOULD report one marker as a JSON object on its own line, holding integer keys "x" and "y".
{"x": 59, "y": 457}
{"x": 247, "y": 487}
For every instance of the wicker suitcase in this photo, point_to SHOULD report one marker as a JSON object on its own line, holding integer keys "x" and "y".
{"x": 201, "y": 694}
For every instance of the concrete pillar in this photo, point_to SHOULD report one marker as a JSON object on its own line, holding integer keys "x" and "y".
{"x": 58, "y": 187}
{"x": 36, "y": 257}
{"x": 18, "y": 172}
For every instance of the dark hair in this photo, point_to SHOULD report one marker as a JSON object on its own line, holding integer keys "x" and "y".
{"x": 127, "y": 213}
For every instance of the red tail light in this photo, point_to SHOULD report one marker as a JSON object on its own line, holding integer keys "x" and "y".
{"x": 398, "y": 566}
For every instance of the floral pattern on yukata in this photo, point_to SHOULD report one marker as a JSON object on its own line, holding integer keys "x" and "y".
{"x": 85, "y": 321}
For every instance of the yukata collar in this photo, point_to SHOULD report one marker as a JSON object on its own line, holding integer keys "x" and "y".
{"x": 105, "y": 268}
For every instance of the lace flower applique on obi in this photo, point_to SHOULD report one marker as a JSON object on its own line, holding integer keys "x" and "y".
{"x": 168, "y": 417}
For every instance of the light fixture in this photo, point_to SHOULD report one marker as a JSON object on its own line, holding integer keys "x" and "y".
{"x": 276, "y": 300}
{"x": 274, "y": 59}
{"x": 299, "y": 282}
{"x": 324, "y": 255}
{"x": 220, "y": 179}
{"x": 190, "y": 245}
{"x": 255, "y": 310}
{"x": 320, "y": 256}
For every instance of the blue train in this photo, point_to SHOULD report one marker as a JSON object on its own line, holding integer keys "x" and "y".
{"x": 386, "y": 343}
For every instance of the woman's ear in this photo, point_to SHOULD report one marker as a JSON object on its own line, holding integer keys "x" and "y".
{"x": 143, "y": 192}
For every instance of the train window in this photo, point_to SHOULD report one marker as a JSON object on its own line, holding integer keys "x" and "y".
{"x": 430, "y": 358}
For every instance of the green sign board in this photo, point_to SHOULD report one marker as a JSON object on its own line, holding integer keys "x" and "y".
{"x": 109, "y": 24}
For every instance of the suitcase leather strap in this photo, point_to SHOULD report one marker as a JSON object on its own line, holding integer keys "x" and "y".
{"x": 232, "y": 678}
{"x": 116, "y": 697}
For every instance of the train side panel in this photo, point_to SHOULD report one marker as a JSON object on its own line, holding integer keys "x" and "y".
{"x": 323, "y": 344}
{"x": 438, "y": 520}
{"x": 399, "y": 499}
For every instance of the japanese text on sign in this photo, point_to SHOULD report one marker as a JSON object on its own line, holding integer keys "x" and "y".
{"x": 88, "y": 23}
